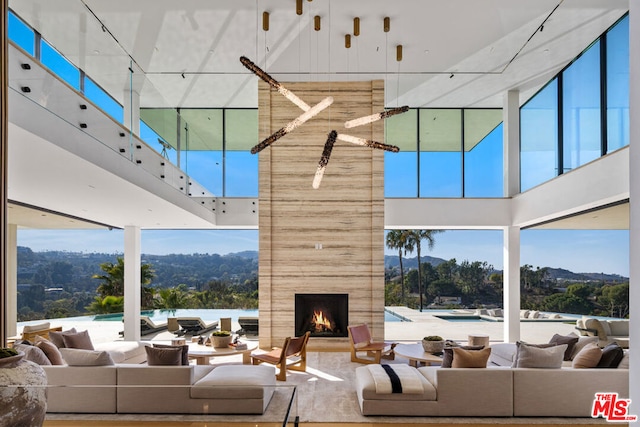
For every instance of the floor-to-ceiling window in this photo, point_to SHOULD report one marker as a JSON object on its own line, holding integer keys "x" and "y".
{"x": 582, "y": 114}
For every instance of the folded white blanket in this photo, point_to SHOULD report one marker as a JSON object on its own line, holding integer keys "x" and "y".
{"x": 409, "y": 379}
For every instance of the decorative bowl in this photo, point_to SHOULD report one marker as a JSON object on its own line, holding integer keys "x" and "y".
{"x": 433, "y": 346}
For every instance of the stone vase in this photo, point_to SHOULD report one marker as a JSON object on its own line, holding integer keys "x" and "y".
{"x": 23, "y": 392}
{"x": 220, "y": 342}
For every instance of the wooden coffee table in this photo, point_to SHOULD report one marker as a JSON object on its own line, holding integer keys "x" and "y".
{"x": 203, "y": 353}
{"x": 416, "y": 354}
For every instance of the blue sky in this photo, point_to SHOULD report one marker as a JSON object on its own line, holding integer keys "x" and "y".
{"x": 584, "y": 251}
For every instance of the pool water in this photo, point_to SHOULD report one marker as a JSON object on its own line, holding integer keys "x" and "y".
{"x": 208, "y": 315}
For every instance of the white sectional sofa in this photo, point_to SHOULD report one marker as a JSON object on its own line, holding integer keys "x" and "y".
{"x": 141, "y": 389}
{"x": 495, "y": 392}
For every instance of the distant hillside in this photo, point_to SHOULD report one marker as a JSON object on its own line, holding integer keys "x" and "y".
{"x": 394, "y": 261}
{"x": 559, "y": 274}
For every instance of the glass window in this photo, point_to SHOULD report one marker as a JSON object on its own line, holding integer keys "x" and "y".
{"x": 440, "y": 153}
{"x": 483, "y": 153}
{"x": 103, "y": 100}
{"x": 241, "y": 167}
{"x": 618, "y": 86}
{"x": 201, "y": 146}
{"x": 59, "y": 65}
{"x": 539, "y": 137}
{"x": 581, "y": 110}
{"x": 21, "y": 34}
{"x": 401, "y": 169}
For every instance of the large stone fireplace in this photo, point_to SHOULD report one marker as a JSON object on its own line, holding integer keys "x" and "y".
{"x": 325, "y": 241}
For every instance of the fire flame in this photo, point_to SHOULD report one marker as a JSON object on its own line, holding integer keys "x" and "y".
{"x": 322, "y": 323}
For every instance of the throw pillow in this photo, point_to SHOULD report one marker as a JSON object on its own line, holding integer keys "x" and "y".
{"x": 582, "y": 341}
{"x": 588, "y": 357}
{"x": 82, "y": 357}
{"x": 77, "y": 340}
{"x": 470, "y": 358}
{"x": 447, "y": 353}
{"x": 56, "y": 337}
{"x": 50, "y": 350}
{"x": 570, "y": 340}
{"x": 536, "y": 357}
{"x": 519, "y": 343}
{"x": 612, "y": 355}
{"x": 33, "y": 353}
{"x": 184, "y": 348}
{"x": 163, "y": 356}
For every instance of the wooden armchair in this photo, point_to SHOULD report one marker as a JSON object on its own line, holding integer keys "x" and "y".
{"x": 292, "y": 355}
{"x": 361, "y": 341}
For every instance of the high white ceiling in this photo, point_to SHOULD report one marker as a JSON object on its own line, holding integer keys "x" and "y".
{"x": 186, "y": 53}
{"x": 456, "y": 53}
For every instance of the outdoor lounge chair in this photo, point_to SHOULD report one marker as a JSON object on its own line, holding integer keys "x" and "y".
{"x": 248, "y": 325}
{"x": 147, "y": 326}
{"x": 194, "y": 326}
{"x": 361, "y": 340}
{"x": 292, "y": 355}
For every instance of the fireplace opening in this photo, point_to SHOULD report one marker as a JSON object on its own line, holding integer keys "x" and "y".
{"x": 324, "y": 315}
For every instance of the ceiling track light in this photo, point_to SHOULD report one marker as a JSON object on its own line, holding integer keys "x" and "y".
{"x": 299, "y": 7}
{"x": 399, "y": 53}
{"x": 265, "y": 21}
{"x": 387, "y": 24}
{"x": 347, "y": 41}
{"x": 316, "y": 22}
{"x": 356, "y": 26}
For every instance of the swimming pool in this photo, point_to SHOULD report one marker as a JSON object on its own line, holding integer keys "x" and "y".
{"x": 208, "y": 315}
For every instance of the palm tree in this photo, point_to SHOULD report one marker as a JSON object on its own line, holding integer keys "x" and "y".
{"x": 398, "y": 239}
{"x": 113, "y": 280}
{"x": 415, "y": 238}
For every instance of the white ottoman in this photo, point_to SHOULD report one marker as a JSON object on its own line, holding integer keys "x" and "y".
{"x": 239, "y": 389}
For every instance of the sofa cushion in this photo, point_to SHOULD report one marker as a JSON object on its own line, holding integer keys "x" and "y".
{"x": 82, "y": 357}
{"x": 366, "y": 385}
{"x": 183, "y": 348}
{"x": 529, "y": 356}
{"x": 33, "y": 353}
{"x": 235, "y": 382}
{"x": 570, "y": 340}
{"x": 125, "y": 351}
{"x": 612, "y": 355}
{"x": 582, "y": 341}
{"x": 447, "y": 354}
{"x": 470, "y": 358}
{"x": 618, "y": 328}
{"x": 80, "y": 340}
{"x": 56, "y": 337}
{"x": 624, "y": 363}
{"x": 50, "y": 350}
{"x": 588, "y": 357}
{"x": 164, "y": 356}
{"x": 519, "y": 343}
